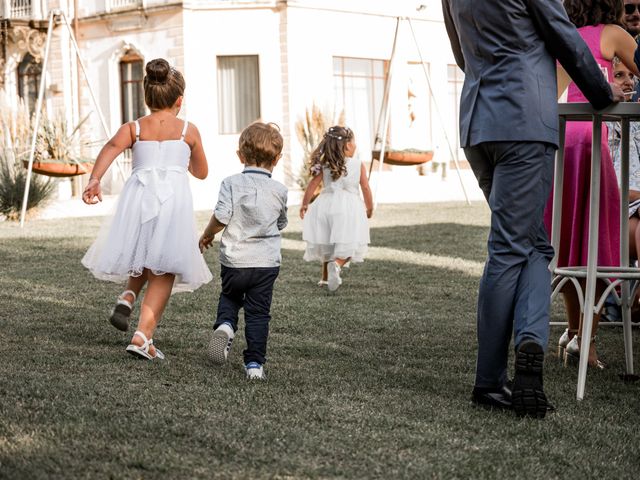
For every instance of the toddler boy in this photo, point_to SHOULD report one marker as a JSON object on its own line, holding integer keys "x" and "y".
{"x": 251, "y": 209}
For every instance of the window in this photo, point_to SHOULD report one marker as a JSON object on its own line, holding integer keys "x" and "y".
{"x": 238, "y": 92}
{"x": 455, "y": 79}
{"x": 131, "y": 89}
{"x": 419, "y": 132}
{"x": 29, "y": 74}
{"x": 358, "y": 89}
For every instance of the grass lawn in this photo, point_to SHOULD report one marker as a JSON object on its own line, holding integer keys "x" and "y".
{"x": 372, "y": 382}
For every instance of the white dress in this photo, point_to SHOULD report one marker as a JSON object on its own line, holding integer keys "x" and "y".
{"x": 336, "y": 225}
{"x": 154, "y": 225}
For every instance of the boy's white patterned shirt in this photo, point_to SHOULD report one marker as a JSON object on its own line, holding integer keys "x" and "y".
{"x": 253, "y": 207}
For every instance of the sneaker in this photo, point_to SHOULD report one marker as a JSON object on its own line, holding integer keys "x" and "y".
{"x": 254, "y": 371}
{"x": 220, "y": 344}
{"x": 528, "y": 396}
{"x": 333, "y": 280}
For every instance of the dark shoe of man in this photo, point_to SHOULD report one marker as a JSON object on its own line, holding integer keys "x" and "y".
{"x": 492, "y": 398}
{"x": 528, "y": 395}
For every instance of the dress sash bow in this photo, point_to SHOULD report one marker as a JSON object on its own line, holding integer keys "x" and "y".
{"x": 157, "y": 189}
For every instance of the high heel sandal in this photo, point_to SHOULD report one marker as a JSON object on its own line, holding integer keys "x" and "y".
{"x": 572, "y": 353}
{"x": 564, "y": 340}
{"x": 122, "y": 311}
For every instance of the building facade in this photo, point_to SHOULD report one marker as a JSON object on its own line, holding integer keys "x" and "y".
{"x": 244, "y": 60}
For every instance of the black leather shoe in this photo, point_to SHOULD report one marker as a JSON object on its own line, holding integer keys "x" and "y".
{"x": 528, "y": 394}
{"x": 499, "y": 398}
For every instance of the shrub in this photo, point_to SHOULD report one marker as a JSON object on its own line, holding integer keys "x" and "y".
{"x": 13, "y": 177}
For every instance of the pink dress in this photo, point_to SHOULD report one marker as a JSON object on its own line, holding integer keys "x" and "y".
{"x": 574, "y": 236}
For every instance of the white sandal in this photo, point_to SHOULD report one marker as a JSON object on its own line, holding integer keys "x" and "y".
{"x": 143, "y": 351}
{"x": 122, "y": 311}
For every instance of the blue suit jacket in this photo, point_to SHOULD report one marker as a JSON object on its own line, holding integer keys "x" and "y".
{"x": 507, "y": 50}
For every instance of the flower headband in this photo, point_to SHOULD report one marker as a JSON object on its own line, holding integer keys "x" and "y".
{"x": 333, "y": 134}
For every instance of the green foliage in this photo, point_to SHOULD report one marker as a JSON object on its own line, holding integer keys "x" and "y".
{"x": 13, "y": 177}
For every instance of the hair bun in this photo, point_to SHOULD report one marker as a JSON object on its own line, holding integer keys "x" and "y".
{"x": 158, "y": 71}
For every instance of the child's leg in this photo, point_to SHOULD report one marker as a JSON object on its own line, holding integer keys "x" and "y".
{"x": 325, "y": 273}
{"x": 135, "y": 284}
{"x": 257, "y": 313}
{"x": 124, "y": 305}
{"x": 233, "y": 281}
{"x": 341, "y": 261}
{"x": 153, "y": 304}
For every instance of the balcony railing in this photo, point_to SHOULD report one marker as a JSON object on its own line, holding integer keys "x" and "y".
{"x": 123, "y": 4}
{"x": 16, "y": 8}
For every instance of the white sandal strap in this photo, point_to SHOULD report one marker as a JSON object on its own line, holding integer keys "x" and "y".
{"x": 146, "y": 341}
{"x": 121, "y": 300}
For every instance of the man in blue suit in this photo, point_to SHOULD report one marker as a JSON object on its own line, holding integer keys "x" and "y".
{"x": 509, "y": 131}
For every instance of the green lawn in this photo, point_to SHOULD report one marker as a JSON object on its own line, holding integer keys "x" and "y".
{"x": 373, "y": 382}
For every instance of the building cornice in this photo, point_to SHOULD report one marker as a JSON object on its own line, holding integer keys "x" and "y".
{"x": 137, "y": 10}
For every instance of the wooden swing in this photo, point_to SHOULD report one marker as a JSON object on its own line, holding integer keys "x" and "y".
{"x": 380, "y": 151}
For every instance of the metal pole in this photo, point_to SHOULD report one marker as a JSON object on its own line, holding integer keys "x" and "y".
{"x": 624, "y": 243}
{"x": 93, "y": 97}
{"x": 558, "y": 182}
{"x": 34, "y": 136}
{"x": 592, "y": 260}
{"x": 437, "y": 109}
{"x": 385, "y": 124}
{"x": 385, "y": 96}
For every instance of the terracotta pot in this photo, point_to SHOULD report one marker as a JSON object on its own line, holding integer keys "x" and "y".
{"x": 57, "y": 169}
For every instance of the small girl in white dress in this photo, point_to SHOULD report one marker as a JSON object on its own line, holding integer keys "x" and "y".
{"x": 335, "y": 225}
{"x": 152, "y": 237}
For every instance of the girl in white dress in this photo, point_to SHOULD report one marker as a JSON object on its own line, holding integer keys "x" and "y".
{"x": 152, "y": 238}
{"x": 335, "y": 225}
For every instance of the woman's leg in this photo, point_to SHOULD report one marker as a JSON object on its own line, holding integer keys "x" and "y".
{"x": 593, "y": 355}
{"x": 153, "y": 304}
{"x": 572, "y": 306}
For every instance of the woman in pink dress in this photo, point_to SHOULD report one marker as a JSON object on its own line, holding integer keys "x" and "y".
{"x": 599, "y": 23}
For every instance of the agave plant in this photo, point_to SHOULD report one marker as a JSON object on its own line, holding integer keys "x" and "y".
{"x": 54, "y": 143}
{"x": 15, "y": 138}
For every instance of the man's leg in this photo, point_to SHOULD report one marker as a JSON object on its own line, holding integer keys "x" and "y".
{"x": 510, "y": 175}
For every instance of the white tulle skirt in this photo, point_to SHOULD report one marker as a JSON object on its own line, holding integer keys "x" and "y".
{"x": 158, "y": 234}
{"x": 336, "y": 226}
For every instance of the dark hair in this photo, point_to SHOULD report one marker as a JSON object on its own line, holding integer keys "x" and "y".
{"x": 594, "y": 12}
{"x": 330, "y": 152}
{"x": 163, "y": 85}
{"x": 261, "y": 143}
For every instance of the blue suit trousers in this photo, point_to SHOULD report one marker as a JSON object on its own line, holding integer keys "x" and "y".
{"x": 515, "y": 288}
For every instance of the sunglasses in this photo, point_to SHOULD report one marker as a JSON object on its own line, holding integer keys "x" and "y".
{"x": 630, "y": 8}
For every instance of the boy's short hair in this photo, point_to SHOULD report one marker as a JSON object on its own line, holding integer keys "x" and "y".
{"x": 261, "y": 143}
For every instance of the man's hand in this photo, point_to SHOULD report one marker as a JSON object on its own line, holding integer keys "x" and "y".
{"x": 618, "y": 94}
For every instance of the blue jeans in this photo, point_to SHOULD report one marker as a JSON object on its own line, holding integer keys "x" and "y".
{"x": 515, "y": 288}
{"x": 251, "y": 289}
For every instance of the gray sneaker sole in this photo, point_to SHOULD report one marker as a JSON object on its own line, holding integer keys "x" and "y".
{"x": 218, "y": 346}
